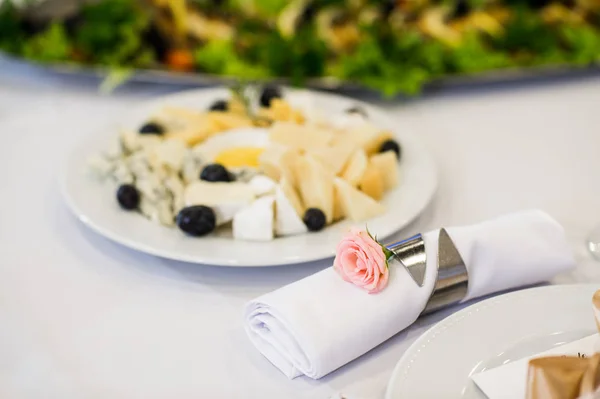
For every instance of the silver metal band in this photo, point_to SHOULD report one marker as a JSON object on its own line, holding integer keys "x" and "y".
{"x": 452, "y": 278}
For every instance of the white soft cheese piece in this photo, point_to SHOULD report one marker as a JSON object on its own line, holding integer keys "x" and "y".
{"x": 226, "y": 199}
{"x": 255, "y": 222}
{"x": 262, "y": 185}
{"x": 287, "y": 221}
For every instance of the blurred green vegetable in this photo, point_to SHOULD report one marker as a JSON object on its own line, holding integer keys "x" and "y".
{"x": 219, "y": 57}
{"x": 473, "y": 55}
{"x": 298, "y": 57}
{"x": 403, "y": 64}
{"x": 12, "y": 35}
{"x": 528, "y": 38}
{"x": 110, "y": 33}
{"x": 399, "y": 48}
{"x": 51, "y": 45}
{"x": 583, "y": 41}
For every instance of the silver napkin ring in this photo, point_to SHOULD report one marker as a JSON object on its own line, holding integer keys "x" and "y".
{"x": 452, "y": 278}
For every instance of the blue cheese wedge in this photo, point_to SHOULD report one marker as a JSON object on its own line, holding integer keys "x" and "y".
{"x": 170, "y": 154}
{"x": 157, "y": 211}
{"x": 191, "y": 166}
{"x": 100, "y": 166}
{"x": 226, "y": 199}
{"x": 121, "y": 173}
{"x": 176, "y": 188}
{"x": 133, "y": 141}
{"x": 255, "y": 222}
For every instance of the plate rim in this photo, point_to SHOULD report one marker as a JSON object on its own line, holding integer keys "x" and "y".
{"x": 442, "y": 326}
{"x": 184, "y": 257}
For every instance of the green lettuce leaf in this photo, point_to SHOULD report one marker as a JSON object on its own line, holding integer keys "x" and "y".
{"x": 220, "y": 57}
{"x": 473, "y": 55}
{"x": 583, "y": 42}
{"x": 111, "y": 33}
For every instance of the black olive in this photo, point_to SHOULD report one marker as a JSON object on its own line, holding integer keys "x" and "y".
{"x": 314, "y": 219}
{"x": 152, "y": 128}
{"x": 538, "y": 3}
{"x": 128, "y": 197}
{"x": 308, "y": 13}
{"x": 357, "y": 109}
{"x": 72, "y": 23}
{"x": 462, "y": 9}
{"x": 269, "y": 93}
{"x": 197, "y": 220}
{"x": 157, "y": 41}
{"x": 219, "y": 105}
{"x": 34, "y": 26}
{"x": 391, "y": 145}
{"x": 387, "y": 7}
{"x": 215, "y": 172}
{"x": 340, "y": 19}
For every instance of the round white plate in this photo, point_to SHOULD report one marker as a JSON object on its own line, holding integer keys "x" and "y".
{"x": 94, "y": 204}
{"x": 488, "y": 334}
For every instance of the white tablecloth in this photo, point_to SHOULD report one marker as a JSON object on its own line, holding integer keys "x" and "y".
{"x": 82, "y": 317}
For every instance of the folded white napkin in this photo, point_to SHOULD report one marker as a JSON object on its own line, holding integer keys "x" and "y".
{"x": 318, "y": 324}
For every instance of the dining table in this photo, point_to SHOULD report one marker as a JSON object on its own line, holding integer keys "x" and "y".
{"x": 84, "y": 317}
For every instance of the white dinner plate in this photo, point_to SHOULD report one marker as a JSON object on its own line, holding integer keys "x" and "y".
{"x": 489, "y": 334}
{"x": 95, "y": 205}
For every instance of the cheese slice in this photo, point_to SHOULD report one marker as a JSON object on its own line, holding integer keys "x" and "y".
{"x": 373, "y": 144}
{"x": 372, "y": 182}
{"x": 273, "y": 159}
{"x": 228, "y": 120}
{"x": 301, "y": 137}
{"x": 360, "y": 135}
{"x": 193, "y": 135}
{"x": 387, "y": 163}
{"x": 334, "y": 157}
{"x": 356, "y": 167}
{"x": 287, "y": 219}
{"x": 255, "y": 222}
{"x": 315, "y": 184}
{"x": 292, "y": 195}
{"x": 356, "y": 206}
{"x": 338, "y": 208}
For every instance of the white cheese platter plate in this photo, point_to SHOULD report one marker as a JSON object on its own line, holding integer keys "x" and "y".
{"x": 94, "y": 203}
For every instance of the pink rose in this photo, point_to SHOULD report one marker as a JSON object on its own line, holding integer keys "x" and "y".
{"x": 362, "y": 261}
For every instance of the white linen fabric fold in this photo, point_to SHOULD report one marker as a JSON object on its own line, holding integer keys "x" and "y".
{"x": 318, "y": 324}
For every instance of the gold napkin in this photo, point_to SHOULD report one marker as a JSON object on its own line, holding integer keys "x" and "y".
{"x": 565, "y": 377}
{"x": 596, "y": 306}
{"x": 562, "y": 377}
